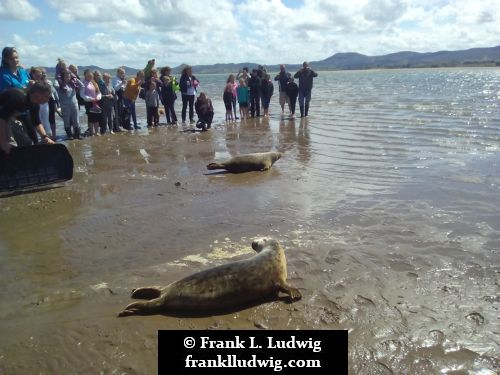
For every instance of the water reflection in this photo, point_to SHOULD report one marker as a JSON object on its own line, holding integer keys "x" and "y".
{"x": 386, "y": 201}
{"x": 304, "y": 142}
{"x": 249, "y": 136}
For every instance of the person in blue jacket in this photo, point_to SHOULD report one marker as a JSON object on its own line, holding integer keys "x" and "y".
{"x": 11, "y": 73}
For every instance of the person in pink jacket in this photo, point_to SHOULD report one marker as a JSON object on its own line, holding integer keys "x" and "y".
{"x": 91, "y": 94}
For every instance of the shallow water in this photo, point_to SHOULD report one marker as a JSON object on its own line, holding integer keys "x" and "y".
{"x": 387, "y": 202}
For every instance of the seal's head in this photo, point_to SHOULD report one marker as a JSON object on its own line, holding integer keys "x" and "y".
{"x": 276, "y": 156}
{"x": 260, "y": 244}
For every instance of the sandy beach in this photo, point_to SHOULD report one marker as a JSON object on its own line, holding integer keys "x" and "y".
{"x": 400, "y": 251}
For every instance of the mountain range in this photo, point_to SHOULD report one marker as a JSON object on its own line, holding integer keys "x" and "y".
{"x": 354, "y": 61}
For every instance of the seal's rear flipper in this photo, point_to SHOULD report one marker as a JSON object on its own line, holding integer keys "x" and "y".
{"x": 150, "y": 292}
{"x": 215, "y": 166}
{"x": 143, "y": 308}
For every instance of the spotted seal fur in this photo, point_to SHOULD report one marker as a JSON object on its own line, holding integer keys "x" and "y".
{"x": 260, "y": 161}
{"x": 222, "y": 287}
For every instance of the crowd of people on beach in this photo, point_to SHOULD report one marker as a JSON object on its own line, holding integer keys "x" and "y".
{"x": 29, "y": 100}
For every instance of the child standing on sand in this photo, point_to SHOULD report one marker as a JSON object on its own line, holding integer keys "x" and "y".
{"x": 292, "y": 91}
{"x": 69, "y": 105}
{"x": 152, "y": 104}
{"x": 60, "y": 67}
{"x": 107, "y": 102}
{"x": 130, "y": 96}
{"x": 91, "y": 94}
{"x": 267, "y": 92}
{"x": 232, "y": 79}
{"x": 243, "y": 98}
{"x": 228, "y": 100}
{"x": 168, "y": 97}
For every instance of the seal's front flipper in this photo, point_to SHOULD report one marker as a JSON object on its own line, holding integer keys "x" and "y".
{"x": 292, "y": 292}
{"x": 150, "y": 292}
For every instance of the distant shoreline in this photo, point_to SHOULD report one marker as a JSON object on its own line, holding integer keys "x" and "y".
{"x": 474, "y": 57}
{"x": 291, "y": 69}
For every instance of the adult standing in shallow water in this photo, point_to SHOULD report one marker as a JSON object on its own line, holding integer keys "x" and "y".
{"x": 283, "y": 78}
{"x": 188, "y": 84}
{"x": 305, "y": 76}
{"x": 243, "y": 74}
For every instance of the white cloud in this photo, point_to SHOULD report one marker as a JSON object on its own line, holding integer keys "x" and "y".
{"x": 21, "y": 10}
{"x": 151, "y": 16}
{"x": 130, "y": 32}
{"x": 44, "y": 32}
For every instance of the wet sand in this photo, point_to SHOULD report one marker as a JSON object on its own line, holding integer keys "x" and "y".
{"x": 416, "y": 285}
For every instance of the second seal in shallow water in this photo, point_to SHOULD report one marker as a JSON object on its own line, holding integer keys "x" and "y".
{"x": 261, "y": 161}
{"x": 227, "y": 286}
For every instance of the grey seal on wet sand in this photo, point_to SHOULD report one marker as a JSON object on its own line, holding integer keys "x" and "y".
{"x": 222, "y": 287}
{"x": 260, "y": 161}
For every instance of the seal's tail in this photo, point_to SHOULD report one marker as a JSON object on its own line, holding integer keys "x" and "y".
{"x": 215, "y": 166}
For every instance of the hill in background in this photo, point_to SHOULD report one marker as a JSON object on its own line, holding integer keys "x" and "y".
{"x": 352, "y": 61}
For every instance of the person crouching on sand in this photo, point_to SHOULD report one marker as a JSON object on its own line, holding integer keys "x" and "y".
{"x": 205, "y": 112}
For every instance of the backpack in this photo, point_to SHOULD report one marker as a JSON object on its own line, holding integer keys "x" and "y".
{"x": 142, "y": 93}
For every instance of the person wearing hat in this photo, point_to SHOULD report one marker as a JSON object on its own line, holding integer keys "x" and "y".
{"x": 305, "y": 76}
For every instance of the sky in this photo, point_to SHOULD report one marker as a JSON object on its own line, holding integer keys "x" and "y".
{"x": 112, "y": 33}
